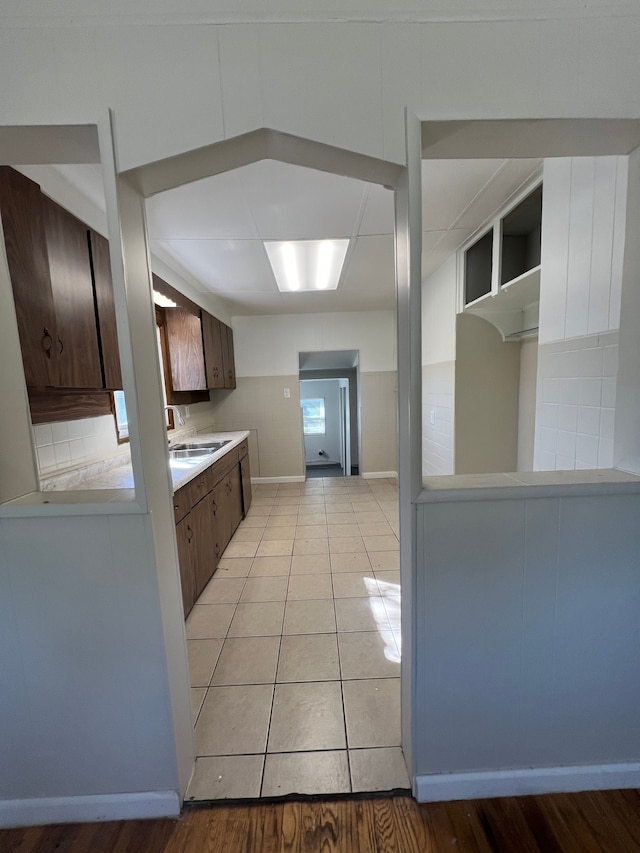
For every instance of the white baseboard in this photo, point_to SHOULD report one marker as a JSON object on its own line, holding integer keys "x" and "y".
{"x": 99, "y": 807}
{"x": 512, "y": 783}
{"x": 256, "y": 481}
{"x": 378, "y": 475}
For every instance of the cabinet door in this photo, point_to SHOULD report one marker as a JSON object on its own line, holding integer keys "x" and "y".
{"x": 24, "y": 237}
{"x": 185, "y": 350}
{"x": 72, "y": 286}
{"x": 245, "y": 473}
{"x": 186, "y": 557}
{"x": 228, "y": 360}
{"x": 206, "y": 558}
{"x": 101, "y": 267}
{"x": 212, "y": 339}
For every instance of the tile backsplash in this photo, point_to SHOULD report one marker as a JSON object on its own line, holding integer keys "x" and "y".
{"x": 66, "y": 444}
{"x": 576, "y": 403}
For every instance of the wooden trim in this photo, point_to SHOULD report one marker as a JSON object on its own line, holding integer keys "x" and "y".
{"x": 49, "y": 406}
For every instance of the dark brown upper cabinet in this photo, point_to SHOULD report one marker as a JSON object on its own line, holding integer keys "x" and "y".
{"x": 212, "y": 338}
{"x": 185, "y": 350}
{"x": 61, "y": 282}
{"x": 228, "y": 358}
{"x": 76, "y": 341}
{"x": 24, "y": 236}
{"x": 101, "y": 267}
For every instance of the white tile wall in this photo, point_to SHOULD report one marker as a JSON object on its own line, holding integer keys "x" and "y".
{"x": 576, "y": 403}
{"x": 438, "y": 438}
{"x": 69, "y": 443}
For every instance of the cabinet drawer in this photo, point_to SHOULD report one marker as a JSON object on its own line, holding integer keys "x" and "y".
{"x": 222, "y": 467}
{"x": 181, "y": 503}
{"x": 243, "y": 448}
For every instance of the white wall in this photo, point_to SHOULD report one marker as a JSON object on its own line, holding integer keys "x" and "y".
{"x": 438, "y": 369}
{"x": 583, "y": 237}
{"x": 330, "y": 441}
{"x": 627, "y": 391}
{"x": 84, "y": 695}
{"x": 527, "y": 641}
{"x": 269, "y": 345}
{"x": 345, "y": 85}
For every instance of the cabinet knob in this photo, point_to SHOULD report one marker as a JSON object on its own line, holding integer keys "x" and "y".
{"x": 46, "y": 342}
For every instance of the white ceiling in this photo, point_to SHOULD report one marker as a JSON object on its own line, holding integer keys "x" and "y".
{"x": 213, "y": 229}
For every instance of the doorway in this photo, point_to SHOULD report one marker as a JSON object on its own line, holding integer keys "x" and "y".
{"x": 329, "y": 399}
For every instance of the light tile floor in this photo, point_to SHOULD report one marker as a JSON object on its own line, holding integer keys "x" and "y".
{"x": 294, "y": 647}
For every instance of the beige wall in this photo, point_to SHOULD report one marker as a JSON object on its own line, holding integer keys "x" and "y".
{"x": 527, "y": 404}
{"x": 486, "y": 399}
{"x": 379, "y": 414}
{"x": 276, "y": 447}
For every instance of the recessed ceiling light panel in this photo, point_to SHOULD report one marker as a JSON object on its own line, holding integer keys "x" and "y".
{"x": 300, "y": 265}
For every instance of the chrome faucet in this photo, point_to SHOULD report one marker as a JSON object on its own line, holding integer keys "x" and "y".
{"x": 178, "y": 413}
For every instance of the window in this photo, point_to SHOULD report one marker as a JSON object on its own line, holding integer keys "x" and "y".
{"x": 120, "y": 410}
{"x": 313, "y": 415}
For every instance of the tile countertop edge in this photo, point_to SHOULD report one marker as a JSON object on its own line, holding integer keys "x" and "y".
{"x": 542, "y": 484}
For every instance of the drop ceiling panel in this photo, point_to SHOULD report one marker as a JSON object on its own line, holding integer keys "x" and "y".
{"x": 291, "y": 203}
{"x": 370, "y": 268}
{"x": 224, "y": 266}
{"x": 213, "y": 209}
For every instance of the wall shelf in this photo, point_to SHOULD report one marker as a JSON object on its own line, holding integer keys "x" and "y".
{"x": 501, "y": 268}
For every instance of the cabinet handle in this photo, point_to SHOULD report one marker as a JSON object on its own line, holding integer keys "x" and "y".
{"x": 189, "y": 534}
{"x": 214, "y": 507}
{"x": 61, "y": 344}
{"x": 47, "y": 342}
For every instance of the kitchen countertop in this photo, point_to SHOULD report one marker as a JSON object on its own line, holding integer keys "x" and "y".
{"x": 118, "y": 474}
{"x": 466, "y": 487}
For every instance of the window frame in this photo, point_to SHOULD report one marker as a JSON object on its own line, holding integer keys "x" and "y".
{"x": 305, "y": 417}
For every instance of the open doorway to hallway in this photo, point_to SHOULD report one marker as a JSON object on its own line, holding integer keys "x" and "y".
{"x": 330, "y": 402}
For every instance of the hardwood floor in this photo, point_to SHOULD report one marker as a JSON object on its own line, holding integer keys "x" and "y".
{"x": 597, "y": 822}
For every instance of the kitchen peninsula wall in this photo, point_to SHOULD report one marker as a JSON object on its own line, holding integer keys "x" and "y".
{"x": 267, "y": 350}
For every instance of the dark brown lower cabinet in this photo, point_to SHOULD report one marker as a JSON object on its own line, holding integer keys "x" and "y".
{"x": 208, "y": 510}
{"x": 186, "y": 558}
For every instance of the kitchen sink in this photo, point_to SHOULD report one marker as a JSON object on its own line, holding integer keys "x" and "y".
{"x": 191, "y": 452}
{"x": 202, "y": 447}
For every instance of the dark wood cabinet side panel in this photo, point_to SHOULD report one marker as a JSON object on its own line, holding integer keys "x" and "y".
{"x": 212, "y": 339}
{"x": 101, "y": 267}
{"x": 24, "y": 237}
{"x": 235, "y": 498}
{"x": 228, "y": 359}
{"x": 51, "y": 405}
{"x": 185, "y": 350}
{"x": 72, "y": 286}
{"x": 245, "y": 472}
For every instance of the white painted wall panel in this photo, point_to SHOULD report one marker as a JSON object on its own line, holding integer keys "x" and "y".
{"x": 619, "y": 233}
{"x": 241, "y": 78}
{"x": 580, "y": 245}
{"x": 439, "y": 314}
{"x": 528, "y": 640}
{"x": 85, "y": 691}
{"x": 555, "y": 248}
{"x": 604, "y": 200}
{"x": 269, "y": 345}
